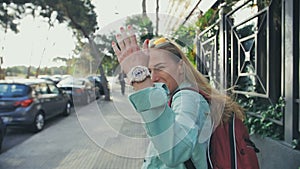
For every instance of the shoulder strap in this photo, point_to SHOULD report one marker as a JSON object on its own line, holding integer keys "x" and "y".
{"x": 189, "y": 164}
{"x": 232, "y": 142}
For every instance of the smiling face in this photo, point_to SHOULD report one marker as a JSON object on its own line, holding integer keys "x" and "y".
{"x": 165, "y": 68}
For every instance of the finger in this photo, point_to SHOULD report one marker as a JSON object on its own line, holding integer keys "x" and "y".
{"x": 120, "y": 41}
{"x": 133, "y": 40}
{"x": 125, "y": 37}
{"x": 117, "y": 51}
{"x": 115, "y": 48}
{"x": 127, "y": 43}
{"x": 135, "y": 47}
{"x": 132, "y": 35}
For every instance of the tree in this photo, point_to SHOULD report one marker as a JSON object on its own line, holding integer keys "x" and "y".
{"x": 104, "y": 45}
{"x": 79, "y": 14}
{"x": 144, "y": 8}
{"x": 157, "y": 18}
{"x": 143, "y": 25}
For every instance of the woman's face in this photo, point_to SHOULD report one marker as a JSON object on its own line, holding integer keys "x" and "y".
{"x": 165, "y": 69}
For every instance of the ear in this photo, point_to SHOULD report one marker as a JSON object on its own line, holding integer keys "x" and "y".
{"x": 181, "y": 67}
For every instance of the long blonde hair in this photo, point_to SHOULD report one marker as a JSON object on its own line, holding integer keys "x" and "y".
{"x": 221, "y": 105}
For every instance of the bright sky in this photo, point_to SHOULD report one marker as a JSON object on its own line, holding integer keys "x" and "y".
{"x": 36, "y": 44}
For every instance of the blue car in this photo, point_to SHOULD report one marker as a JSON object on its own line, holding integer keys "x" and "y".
{"x": 30, "y": 102}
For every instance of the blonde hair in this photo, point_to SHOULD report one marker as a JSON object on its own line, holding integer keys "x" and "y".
{"x": 221, "y": 105}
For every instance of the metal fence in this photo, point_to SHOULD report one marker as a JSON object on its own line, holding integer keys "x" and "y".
{"x": 246, "y": 48}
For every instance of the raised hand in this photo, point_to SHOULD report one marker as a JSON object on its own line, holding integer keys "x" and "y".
{"x": 128, "y": 51}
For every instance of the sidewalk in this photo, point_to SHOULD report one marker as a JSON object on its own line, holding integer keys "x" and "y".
{"x": 102, "y": 135}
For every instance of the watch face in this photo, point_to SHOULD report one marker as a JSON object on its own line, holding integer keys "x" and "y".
{"x": 139, "y": 73}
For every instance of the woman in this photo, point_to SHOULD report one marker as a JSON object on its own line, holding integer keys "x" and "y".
{"x": 160, "y": 72}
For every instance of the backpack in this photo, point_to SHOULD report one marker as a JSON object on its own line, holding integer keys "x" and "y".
{"x": 230, "y": 146}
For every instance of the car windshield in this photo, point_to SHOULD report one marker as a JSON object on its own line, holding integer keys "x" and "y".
{"x": 78, "y": 82}
{"x": 71, "y": 81}
{"x": 94, "y": 78}
{"x": 13, "y": 90}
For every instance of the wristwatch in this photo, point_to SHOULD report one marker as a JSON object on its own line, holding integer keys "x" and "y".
{"x": 138, "y": 74}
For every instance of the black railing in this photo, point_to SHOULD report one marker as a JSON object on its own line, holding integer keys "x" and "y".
{"x": 245, "y": 49}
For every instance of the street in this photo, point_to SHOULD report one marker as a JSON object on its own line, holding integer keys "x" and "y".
{"x": 17, "y": 135}
{"x": 101, "y": 135}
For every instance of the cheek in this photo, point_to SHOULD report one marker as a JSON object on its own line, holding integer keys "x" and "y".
{"x": 172, "y": 82}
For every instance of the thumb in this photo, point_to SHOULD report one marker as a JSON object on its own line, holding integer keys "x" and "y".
{"x": 146, "y": 47}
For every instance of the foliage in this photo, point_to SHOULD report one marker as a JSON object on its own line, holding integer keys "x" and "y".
{"x": 143, "y": 25}
{"x": 86, "y": 62}
{"x": 184, "y": 36}
{"x": 210, "y": 17}
{"x": 21, "y": 71}
{"x": 104, "y": 45}
{"x": 79, "y": 14}
{"x": 296, "y": 144}
{"x": 264, "y": 117}
{"x": 16, "y": 70}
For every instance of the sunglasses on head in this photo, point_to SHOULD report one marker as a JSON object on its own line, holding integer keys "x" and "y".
{"x": 160, "y": 42}
{"x": 163, "y": 42}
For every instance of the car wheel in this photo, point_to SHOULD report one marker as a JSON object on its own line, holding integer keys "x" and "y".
{"x": 39, "y": 122}
{"x": 67, "y": 110}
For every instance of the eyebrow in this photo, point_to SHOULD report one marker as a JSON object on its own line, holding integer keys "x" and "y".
{"x": 159, "y": 64}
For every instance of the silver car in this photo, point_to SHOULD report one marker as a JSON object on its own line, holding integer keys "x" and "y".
{"x": 80, "y": 90}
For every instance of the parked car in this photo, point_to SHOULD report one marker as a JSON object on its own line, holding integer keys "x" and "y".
{"x": 97, "y": 80}
{"x": 46, "y": 77}
{"x": 2, "y": 132}
{"x": 80, "y": 90}
{"x": 31, "y": 102}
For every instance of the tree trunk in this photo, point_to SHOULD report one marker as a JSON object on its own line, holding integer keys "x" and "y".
{"x": 94, "y": 52}
{"x": 144, "y": 8}
{"x": 157, "y": 18}
{"x": 37, "y": 72}
{"x": 28, "y": 72}
{"x": 2, "y": 74}
{"x": 104, "y": 80}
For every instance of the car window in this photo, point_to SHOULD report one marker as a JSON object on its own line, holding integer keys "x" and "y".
{"x": 13, "y": 90}
{"x": 53, "y": 89}
{"x": 89, "y": 84}
{"x": 43, "y": 88}
{"x": 79, "y": 82}
{"x": 35, "y": 89}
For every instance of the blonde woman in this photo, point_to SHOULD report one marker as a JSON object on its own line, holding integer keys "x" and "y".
{"x": 179, "y": 131}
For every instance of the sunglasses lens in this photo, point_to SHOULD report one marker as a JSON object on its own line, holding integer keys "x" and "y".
{"x": 158, "y": 42}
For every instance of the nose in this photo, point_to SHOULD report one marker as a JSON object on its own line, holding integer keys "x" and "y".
{"x": 154, "y": 76}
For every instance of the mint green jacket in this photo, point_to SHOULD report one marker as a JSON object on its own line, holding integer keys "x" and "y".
{"x": 175, "y": 133}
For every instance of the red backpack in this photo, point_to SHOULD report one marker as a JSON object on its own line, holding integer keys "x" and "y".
{"x": 230, "y": 146}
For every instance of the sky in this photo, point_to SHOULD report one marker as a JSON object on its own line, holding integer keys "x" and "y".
{"x": 37, "y": 44}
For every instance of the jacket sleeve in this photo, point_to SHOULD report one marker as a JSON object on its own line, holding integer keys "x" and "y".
{"x": 173, "y": 132}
